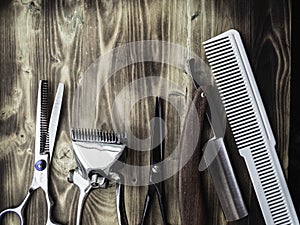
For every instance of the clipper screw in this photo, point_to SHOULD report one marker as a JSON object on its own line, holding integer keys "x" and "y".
{"x": 70, "y": 176}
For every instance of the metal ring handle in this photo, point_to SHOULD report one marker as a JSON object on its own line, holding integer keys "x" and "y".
{"x": 17, "y": 211}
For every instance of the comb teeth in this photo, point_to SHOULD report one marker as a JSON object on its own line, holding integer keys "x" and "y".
{"x": 234, "y": 91}
{"x": 96, "y": 135}
{"x": 44, "y": 143}
{"x": 250, "y": 126}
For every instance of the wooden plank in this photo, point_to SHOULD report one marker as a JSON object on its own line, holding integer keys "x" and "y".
{"x": 59, "y": 40}
{"x": 294, "y": 167}
{"x": 271, "y": 37}
{"x": 208, "y": 19}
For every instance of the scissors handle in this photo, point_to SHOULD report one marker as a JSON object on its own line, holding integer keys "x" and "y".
{"x": 49, "y": 209}
{"x": 152, "y": 189}
{"x": 19, "y": 209}
{"x": 148, "y": 201}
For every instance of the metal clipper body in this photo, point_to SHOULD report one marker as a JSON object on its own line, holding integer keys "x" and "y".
{"x": 95, "y": 152}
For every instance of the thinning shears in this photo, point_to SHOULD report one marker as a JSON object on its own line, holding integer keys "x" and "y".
{"x": 156, "y": 170}
{"x": 44, "y": 144}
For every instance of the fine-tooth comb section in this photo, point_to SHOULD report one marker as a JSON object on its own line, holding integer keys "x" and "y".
{"x": 44, "y": 116}
{"x": 250, "y": 126}
{"x": 96, "y": 135}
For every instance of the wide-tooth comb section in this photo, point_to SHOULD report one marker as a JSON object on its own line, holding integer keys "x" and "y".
{"x": 96, "y": 135}
{"x": 44, "y": 144}
{"x": 250, "y": 125}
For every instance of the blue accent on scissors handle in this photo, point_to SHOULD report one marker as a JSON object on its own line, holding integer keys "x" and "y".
{"x": 40, "y": 165}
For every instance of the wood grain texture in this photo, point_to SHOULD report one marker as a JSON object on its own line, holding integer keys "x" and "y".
{"x": 295, "y": 120}
{"x": 190, "y": 181}
{"x": 58, "y": 40}
{"x": 210, "y": 18}
{"x": 272, "y": 37}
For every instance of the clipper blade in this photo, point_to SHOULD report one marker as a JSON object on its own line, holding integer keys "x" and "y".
{"x": 96, "y": 150}
{"x": 96, "y": 135}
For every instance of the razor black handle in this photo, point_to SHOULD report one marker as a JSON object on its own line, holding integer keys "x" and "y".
{"x": 191, "y": 202}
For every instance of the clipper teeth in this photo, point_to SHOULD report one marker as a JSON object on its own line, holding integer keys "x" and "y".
{"x": 96, "y": 135}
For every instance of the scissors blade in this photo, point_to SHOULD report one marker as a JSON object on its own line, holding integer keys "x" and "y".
{"x": 158, "y": 134}
{"x": 157, "y": 145}
{"x": 53, "y": 124}
{"x": 41, "y": 117}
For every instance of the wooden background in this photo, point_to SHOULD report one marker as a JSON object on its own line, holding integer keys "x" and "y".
{"x": 58, "y": 40}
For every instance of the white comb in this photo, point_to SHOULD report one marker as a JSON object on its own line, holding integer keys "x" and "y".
{"x": 250, "y": 126}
